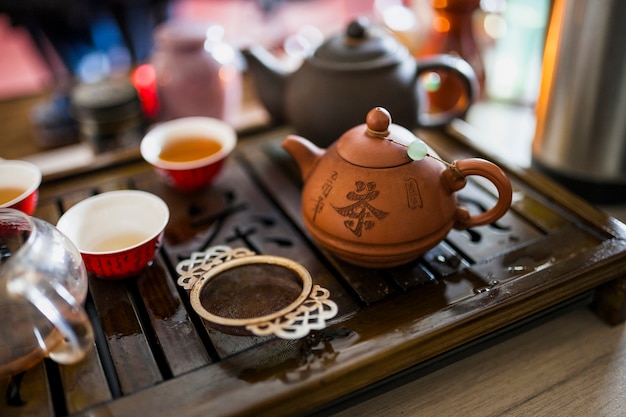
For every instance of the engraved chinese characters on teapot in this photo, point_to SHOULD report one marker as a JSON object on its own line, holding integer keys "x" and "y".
{"x": 379, "y": 197}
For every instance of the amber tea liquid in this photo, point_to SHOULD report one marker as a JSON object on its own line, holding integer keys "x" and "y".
{"x": 189, "y": 149}
{"x": 20, "y": 349}
{"x": 9, "y": 193}
{"x": 118, "y": 242}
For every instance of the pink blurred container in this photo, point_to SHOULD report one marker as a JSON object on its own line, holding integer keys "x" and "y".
{"x": 197, "y": 73}
{"x": 117, "y": 233}
{"x": 22, "y": 175}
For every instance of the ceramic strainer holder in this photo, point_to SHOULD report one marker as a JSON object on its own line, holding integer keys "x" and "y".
{"x": 239, "y": 292}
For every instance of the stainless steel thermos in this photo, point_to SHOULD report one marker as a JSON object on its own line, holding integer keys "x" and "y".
{"x": 580, "y": 138}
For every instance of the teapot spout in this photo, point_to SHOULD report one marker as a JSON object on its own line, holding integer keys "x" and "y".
{"x": 305, "y": 153}
{"x": 269, "y": 76}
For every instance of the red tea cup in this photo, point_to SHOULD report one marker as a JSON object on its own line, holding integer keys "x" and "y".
{"x": 118, "y": 233}
{"x": 189, "y": 152}
{"x": 19, "y": 185}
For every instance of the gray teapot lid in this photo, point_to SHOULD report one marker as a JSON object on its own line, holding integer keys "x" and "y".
{"x": 361, "y": 46}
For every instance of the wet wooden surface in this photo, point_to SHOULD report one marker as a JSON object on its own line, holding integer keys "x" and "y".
{"x": 153, "y": 355}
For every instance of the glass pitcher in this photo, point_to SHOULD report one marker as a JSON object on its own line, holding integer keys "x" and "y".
{"x": 43, "y": 283}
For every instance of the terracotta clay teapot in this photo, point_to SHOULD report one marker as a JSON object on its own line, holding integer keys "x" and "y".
{"x": 350, "y": 73}
{"x": 380, "y": 197}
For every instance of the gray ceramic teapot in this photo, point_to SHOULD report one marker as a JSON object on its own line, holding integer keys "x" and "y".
{"x": 350, "y": 73}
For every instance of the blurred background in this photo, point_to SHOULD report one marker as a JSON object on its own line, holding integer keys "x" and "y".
{"x": 43, "y": 42}
{"x": 48, "y": 47}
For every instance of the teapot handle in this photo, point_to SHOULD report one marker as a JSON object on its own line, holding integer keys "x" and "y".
{"x": 492, "y": 172}
{"x": 75, "y": 333}
{"x": 456, "y": 67}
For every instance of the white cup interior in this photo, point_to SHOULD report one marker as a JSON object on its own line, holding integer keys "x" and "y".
{"x": 179, "y": 129}
{"x": 114, "y": 221}
{"x": 19, "y": 174}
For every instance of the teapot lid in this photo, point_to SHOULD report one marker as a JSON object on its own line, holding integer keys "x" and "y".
{"x": 361, "y": 44}
{"x": 377, "y": 143}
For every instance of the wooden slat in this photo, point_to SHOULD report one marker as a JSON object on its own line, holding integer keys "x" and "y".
{"x": 85, "y": 383}
{"x": 539, "y": 213}
{"x": 411, "y": 275}
{"x": 130, "y": 352}
{"x": 370, "y": 285}
{"x": 443, "y": 261}
{"x": 177, "y": 337}
{"x": 482, "y": 242}
{"x": 33, "y": 393}
{"x": 540, "y": 254}
{"x": 227, "y": 345}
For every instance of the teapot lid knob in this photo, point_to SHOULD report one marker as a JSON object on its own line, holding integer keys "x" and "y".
{"x": 357, "y": 28}
{"x": 377, "y": 143}
{"x": 378, "y": 120}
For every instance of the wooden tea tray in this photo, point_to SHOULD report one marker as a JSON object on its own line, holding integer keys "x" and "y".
{"x": 154, "y": 356}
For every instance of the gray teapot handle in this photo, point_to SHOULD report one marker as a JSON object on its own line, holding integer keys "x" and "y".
{"x": 456, "y": 67}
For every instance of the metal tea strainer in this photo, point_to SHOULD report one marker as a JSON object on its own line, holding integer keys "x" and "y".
{"x": 241, "y": 293}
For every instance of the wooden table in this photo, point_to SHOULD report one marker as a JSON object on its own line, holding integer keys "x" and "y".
{"x": 153, "y": 355}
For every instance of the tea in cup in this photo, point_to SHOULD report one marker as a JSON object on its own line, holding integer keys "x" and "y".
{"x": 189, "y": 152}
{"x": 118, "y": 233}
{"x": 19, "y": 185}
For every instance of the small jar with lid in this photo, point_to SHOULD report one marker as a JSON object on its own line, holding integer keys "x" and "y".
{"x": 108, "y": 113}
{"x": 197, "y": 73}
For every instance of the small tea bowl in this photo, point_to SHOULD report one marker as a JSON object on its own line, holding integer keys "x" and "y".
{"x": 118, "y": 232}
{"x": 189, "y": 152}
{"x": 19, "y": 185}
